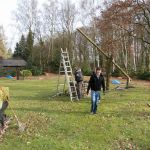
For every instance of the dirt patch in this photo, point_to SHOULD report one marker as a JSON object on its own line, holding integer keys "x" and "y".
{"x": 142, "y": 82}
{"x": 49, "y": 76}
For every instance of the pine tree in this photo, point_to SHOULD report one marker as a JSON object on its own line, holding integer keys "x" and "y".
{"x": 22, "y": 45}
{"x": 20, "y": 48}
{"x": 17, "y": 52}
{"x": 28, "y": 53}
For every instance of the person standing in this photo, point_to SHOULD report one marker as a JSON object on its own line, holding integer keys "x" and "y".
{"x": 95, "y": 84}
{"x": 79, "y": 79}
{"x": 4, "y": 98}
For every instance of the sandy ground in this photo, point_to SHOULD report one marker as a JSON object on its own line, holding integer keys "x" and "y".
{"x": 49, "y": 76}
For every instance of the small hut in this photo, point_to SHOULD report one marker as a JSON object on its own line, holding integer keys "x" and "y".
{"x": 17, "y": 63}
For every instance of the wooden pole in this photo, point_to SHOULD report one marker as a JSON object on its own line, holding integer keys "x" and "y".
{"x": 91, "y": 41}
{"x": 108, "y": 72}
{"x": 17, "y": 73}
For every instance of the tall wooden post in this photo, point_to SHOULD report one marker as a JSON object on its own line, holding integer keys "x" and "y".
{"x": 17, "y": 72}
{"x": 128, "y": 78}
{"x": 108, "y": 72}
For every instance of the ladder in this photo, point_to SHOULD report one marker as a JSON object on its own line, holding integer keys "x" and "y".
{"x": 65, "y": 69}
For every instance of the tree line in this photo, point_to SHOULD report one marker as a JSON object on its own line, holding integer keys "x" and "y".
{"x": 120, "y": 28}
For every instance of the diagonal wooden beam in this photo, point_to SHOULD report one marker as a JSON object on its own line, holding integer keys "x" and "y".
{"x": 100, "y": 50}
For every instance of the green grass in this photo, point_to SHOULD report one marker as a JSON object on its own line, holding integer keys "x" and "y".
{"x": 122, "y": 122}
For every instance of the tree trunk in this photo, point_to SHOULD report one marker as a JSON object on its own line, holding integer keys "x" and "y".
{"x": 108, "y": 72}
{"x": 17, "y": 73}
{"x": 147, "y": 61}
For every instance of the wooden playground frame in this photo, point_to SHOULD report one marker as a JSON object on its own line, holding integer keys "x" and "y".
{"x": 107, "y": 57}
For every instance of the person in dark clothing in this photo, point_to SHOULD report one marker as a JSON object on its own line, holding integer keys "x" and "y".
{"x": 79, "y": 79}
{"x": 95, "y": 84}
{"x": 2, "y": 110}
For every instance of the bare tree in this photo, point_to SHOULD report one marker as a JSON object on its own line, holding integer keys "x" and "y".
{"x": 89, "y": 10}
{"x": 67, "y": 16}
{"x": 142, "y": 23}
{"x": 26, "y": 15}
{"x": 3, "y": 49}
{"x": 50, "y": 27}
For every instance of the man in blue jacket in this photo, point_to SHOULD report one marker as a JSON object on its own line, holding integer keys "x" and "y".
{"x": 96, "y": 82}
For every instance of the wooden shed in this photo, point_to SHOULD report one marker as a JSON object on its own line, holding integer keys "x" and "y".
{"x": 17, "y": 63}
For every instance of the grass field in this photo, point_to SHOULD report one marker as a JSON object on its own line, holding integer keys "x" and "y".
{"x": 122, "y": 121}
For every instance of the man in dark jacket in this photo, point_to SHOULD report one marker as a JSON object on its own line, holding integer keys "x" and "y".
{"x": 96, "y": 82}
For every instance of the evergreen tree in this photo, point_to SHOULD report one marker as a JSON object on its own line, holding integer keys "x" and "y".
{"x": 17, "y": 52}
{"x": 28, "y": 53}
{"x": 20, "y": 48}
{"x": 22, "y": 45}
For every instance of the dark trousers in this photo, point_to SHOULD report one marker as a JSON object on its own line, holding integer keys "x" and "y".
{"x": 2, "y": 110}
{"x": 79, "y": 89}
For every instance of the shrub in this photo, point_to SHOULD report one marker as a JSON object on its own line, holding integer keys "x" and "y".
{"x": 132, "y": 73}
{"x": 116, "y": 73}
{"x": 13, "y": 73}
{"x": 36, "y": 71}
{"x": 86, "y": 71}
{"x": 54, "y": 66}
{"x": 1, "y": 73}
{"x": 144, "y": 75}
{"x": 26, "y": 73}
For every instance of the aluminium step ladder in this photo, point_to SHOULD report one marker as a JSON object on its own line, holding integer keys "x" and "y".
{"x": 65, "y": 69}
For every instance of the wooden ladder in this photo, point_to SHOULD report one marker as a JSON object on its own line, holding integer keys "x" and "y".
{"x": 66, "y": 69}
